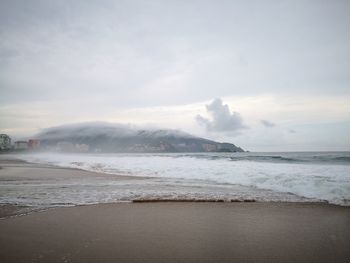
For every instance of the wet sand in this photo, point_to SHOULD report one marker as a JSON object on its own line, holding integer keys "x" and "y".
{"x": 179, "y": 232}
{"x": 16, "y": 169}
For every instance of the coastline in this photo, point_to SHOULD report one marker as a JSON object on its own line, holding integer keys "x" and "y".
{"x": 12, "y": 169}
{"x": 155, "y": 230}
{"x": 43, "y": 186}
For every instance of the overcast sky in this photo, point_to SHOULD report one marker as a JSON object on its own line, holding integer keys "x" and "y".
{"x": 265, "y": 75}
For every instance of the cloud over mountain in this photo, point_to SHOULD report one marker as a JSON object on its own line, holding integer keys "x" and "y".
{"x": 113, "y": 137}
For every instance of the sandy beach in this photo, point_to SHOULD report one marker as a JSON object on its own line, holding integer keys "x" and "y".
{"x": 171, "y": 231}
{"x": 179, "y": 232}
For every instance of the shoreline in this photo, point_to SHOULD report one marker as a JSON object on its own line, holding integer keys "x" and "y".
{"x": 13, "y": 210}
{"x": 13, "y": 168}
{"x": 168, "y": 230}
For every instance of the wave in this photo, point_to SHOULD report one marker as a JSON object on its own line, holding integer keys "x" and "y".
{"x": 301, "y": 158}
{"x": 286, "y": 157}
{"x": 283, "y": 173}
{"x": 343, "y": 159}
{"x": 265, "y": 158}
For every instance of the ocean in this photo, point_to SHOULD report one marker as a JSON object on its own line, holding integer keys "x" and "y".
{"x": 289, "y": 177}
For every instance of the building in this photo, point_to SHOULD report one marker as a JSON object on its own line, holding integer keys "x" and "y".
{"x": 33, "y": 144}
{"x": 5, "y": 142}
{"x": 21, "y": 145}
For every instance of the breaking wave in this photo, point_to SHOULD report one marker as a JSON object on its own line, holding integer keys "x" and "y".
{"x": 321, "y": 176}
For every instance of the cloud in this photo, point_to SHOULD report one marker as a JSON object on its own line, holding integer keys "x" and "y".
{"x": 222, "y": 118}
{"x": 105, "y": 129}
{"x": 268, "y": 124}
{"x": 124, "y": 50}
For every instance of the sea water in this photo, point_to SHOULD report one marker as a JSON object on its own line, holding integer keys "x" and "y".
{"x": 294, "y": 177}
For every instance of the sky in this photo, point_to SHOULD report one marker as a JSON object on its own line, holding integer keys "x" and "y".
{"x": 265, "y": 75}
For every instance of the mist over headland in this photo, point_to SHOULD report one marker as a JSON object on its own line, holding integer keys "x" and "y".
{"x": 112, "y": 137}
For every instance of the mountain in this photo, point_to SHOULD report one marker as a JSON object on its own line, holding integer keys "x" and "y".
{"x": 106, "y": 137}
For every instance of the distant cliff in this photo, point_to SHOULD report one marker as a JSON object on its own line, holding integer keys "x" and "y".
{"x": 105, "y": 137}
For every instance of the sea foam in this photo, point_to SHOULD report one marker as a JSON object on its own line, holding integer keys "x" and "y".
{"x": 312, "y": 175}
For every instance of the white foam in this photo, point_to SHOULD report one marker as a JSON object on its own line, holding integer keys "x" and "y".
{"x": 324, "y": 182}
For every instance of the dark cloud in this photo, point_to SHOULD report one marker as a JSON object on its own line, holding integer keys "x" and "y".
{"x": 268, "y": 124}
{"x": 222, "y": 118}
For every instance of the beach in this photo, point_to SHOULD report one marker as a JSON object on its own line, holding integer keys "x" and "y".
{"x": 174, "y": 131}
{"x": 179, "y": 232}
{"x": 169, "y": 231}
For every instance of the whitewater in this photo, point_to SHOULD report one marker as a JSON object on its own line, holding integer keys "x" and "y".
{"x": 291, "y": 177}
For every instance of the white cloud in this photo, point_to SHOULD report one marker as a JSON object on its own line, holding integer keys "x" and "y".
{"x": 222, "y": 120}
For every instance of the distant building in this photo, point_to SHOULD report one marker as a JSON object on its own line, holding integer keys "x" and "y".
{"x": 21, "y": 145}
{"x": 33, "y": 144}
{"x": 137, "y": 148}
{"x": 209, "y": 147}
{"x": 65, "y": 147}
{"x": 83, "y": 148}
{"x": 5, "y": 142}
